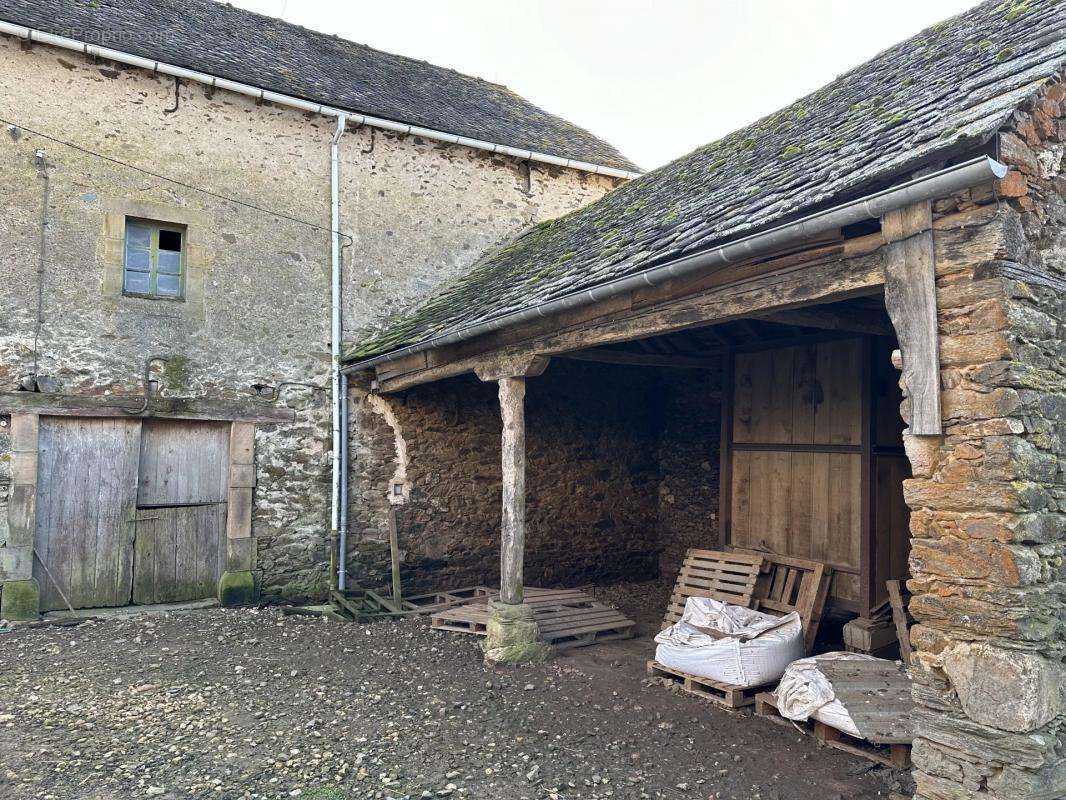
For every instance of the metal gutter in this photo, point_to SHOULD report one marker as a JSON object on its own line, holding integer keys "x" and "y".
{"x": 34, "y": 35}
{"x": 874, "y": 206}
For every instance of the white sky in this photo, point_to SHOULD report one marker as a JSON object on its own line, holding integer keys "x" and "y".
{"x": 655, "y": 79}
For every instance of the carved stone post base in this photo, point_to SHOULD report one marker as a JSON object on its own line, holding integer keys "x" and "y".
{"x": 513, "y": 637}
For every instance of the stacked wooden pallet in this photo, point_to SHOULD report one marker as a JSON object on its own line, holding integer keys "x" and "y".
{"x": 566, "y": 618}
{"x": 365, "y": 605}
{"x": 764, "y": 581}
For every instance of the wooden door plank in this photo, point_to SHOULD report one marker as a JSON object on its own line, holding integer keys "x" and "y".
{"x": 742, "y": 398}
{"x": 782, "y": 364}
{"x": 807, "y": 392}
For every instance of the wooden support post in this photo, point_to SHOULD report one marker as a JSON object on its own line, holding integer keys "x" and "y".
{"x": 513, "y": 528}
{"x": 910, "y": 297}
{"x": 511, "y": 634}
{"x": 394, "y": 552}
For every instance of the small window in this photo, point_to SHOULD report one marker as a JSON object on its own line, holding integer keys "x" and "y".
{"x": 155, "y": 260}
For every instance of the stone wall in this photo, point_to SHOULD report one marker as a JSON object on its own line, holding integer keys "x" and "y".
{"x": 689, "y": 462}
{"x": 591, "y": 479}
{"x": 989, "y": 496}
{"x": 418, "y": 212}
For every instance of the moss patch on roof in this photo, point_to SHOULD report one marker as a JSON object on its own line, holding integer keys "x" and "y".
{"x": 952, "y": 84}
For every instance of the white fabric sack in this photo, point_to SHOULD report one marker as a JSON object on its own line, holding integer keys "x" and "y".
{"x": 730, "y": 644}
{"x": 805, "y": 692}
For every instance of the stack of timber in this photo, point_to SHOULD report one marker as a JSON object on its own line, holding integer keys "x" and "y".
{"x": 764, "y": 581}
{"x": 366, "y": 605}
{"x": 566, "y": 618}
{"x": 877, "y": 696}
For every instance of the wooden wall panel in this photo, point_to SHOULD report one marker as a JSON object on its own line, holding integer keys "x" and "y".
{"x": 892, "y": 522}
{"x": 796, "y": 485}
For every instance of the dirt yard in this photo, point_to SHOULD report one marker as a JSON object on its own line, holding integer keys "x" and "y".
{"x": 253, "y": 704}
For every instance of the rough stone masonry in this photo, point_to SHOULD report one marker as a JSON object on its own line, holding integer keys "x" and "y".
{"x": 258, "y": 307}
{"x": 988, "y": 497}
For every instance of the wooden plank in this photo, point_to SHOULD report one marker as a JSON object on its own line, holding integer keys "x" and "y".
{"x": 606, "y": 355}
{"x": 777, "y": 494}
{"x": 782, "y": 366}
{"x": 57, "y": 405}
{"x": 84, "y": 516}
{"x": 742, "y": 398}
{"x": 725, "y": 456}
{"x": 867, "y": 540}
{"x": 183, "y": 462}
{"x": 740, "y": 514}
{"x": 900, "y": 617}
{"x": 910, "y": 297}
{"x": 806, "y": 393}
{"x": 875, "y": 693}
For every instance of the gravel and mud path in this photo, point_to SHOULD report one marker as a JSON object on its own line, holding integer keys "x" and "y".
{"x": 254, "y": 704}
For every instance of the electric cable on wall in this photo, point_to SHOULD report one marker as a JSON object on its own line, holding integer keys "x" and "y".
{"x": 175, "y": 181}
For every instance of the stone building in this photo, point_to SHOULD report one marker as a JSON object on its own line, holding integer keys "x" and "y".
{"x": 167, "y": 195}
{"x": 835, "y": 334}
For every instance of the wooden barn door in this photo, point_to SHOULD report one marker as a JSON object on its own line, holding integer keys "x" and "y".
{"x": 181, "y": 510}
{"x": 86, "y": 499}
{"x": 797, "y": 458}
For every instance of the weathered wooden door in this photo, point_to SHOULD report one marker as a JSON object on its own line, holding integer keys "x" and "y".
{"x": 176, "y": 556}
{"x": 181, "y": 510}
{"x": 86, "y": 497}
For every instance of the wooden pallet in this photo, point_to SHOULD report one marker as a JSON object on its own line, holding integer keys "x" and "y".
{"x": 896, "y": 755}
{"x": 566, "y": 618}
{"x": 789, "y": 584}
{"x": 727, "y": 577}
{"x": 724, "y": 694}
{"x": 368, "y": 605}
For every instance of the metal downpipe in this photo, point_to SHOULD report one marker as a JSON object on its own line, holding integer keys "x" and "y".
{"x": 336, "y": 335}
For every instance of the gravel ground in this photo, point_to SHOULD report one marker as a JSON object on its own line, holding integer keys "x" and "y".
{"x": 254, "y": 704}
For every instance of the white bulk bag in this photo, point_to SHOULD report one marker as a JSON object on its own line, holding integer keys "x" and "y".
{"x": 805, "y": 692}
{"x": 730, "y": 644}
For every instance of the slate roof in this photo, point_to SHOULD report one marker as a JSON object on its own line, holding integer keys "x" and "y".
{"x": 278, "y": 56}
{"x": 952, "y": 85}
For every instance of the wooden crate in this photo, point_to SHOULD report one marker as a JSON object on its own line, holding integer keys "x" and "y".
{"x": 727, "y": 577}
{"x": 896, "y": 754}
{"x": 724, "y": 694}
